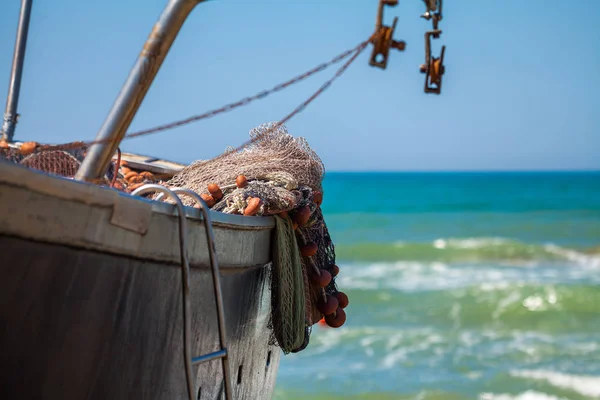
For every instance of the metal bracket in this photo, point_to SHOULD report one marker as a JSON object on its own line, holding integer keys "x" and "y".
{"x": 383, "y": 39}
{"x": 433, "y": 67}
{"x": 129, "y": 214}
{"x": 434, "y": 12}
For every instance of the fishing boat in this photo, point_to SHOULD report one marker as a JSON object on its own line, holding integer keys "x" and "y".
{"x": 113, "y": 295}
{"x": 91, "y": 299}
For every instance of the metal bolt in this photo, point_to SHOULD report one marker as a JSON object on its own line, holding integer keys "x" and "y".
{"x": 398, "y": 44}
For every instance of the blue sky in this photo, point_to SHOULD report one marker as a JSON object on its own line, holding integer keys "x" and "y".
{"x": 520, "y": 91}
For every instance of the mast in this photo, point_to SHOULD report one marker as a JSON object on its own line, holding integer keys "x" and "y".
{"x": 134, "y": 89}
{"x": 11, "y": 116}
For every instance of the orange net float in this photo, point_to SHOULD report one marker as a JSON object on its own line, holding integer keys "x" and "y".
{"x": 302, "y": 215}
{"x": 335, "y": 270}
{"x": 147, "y": 175}
{"x": 253, "y": 206}
{"x": 342, "y": 299}
{"x": 208, "y": 199}
{"x": 135, "y": 179}
{"x": 336, "y": 320}
{"x": 318, "y": 198}
{"x": 327, "y": 306}
{"x": 309, "y": 249}
{"x": 215, "y": 191}
{"x": 130, "y": 175}
{"x": 28, "y": 148}
{"x": 241, "y": 181}
{"x": 322, "y": 280}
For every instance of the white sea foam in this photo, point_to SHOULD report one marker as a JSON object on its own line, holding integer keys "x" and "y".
{"x": 470, "y": 243}
{"x": 528, "y": 395}
{"x": 417, "y": 276}
{"x": 511, "y": 248}
{"x": 396, "y": 353}
{"x": 584, "y": 385}
{"x": 591, "y": 261}
{"x": 359, "y": 366}
{"x": 412, "y": 276}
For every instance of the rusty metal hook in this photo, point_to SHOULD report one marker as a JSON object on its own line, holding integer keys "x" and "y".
{"x": 383, "y": 40}
{"x": 434, "y": 12}
{"x": 433, "y": 67}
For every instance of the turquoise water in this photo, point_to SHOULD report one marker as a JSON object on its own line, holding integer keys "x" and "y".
{"x": 461, "y": 286}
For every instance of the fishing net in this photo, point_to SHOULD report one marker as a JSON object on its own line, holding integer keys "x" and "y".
{"x": 275, "y": 198}
{"x": 287, "y": 288}
{"x": 274, "y": 156}
{"x": 56, "y": 162}
{"x": 50, "y": 159}
{"x": 11, "y": 154}
{"x": 316, "y": 231}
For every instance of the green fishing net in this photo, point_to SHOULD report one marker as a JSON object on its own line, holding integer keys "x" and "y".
{"x": 287, "y": 288}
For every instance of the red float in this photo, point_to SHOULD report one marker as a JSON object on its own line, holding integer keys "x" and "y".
{"x": 328, "y": 307}
{"x": 336, "y": 320}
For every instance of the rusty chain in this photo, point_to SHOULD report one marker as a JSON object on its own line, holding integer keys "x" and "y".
{"x": 354, "y": 52}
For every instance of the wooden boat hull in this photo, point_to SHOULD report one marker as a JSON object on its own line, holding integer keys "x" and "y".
{"x": 86, "y": 316}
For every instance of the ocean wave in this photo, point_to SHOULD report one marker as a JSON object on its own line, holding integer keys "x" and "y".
{"x": 373, "y": 358}
{"x": 411, "y": 276}
{"x": 475, "y": 249}
{"x": 503, "y": 306}
{"x": 583, "y": 385}
{"x": 528, "y": 395}
{"x": 386, "y": 347}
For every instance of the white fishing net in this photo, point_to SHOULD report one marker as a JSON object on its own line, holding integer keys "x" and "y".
{"x": 274, "y": 162}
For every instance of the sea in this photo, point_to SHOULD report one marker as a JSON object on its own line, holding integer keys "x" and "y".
{"x": 461, "y": 286}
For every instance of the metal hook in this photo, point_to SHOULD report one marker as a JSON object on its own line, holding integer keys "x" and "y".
{"x": 434, "y": 12}
{"x": 383, "y": 39}
{"x": 433, "y": 67}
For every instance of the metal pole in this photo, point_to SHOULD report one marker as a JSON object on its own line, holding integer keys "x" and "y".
{"x": 10, "y": 115}
{"x": 135, "y": 88}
